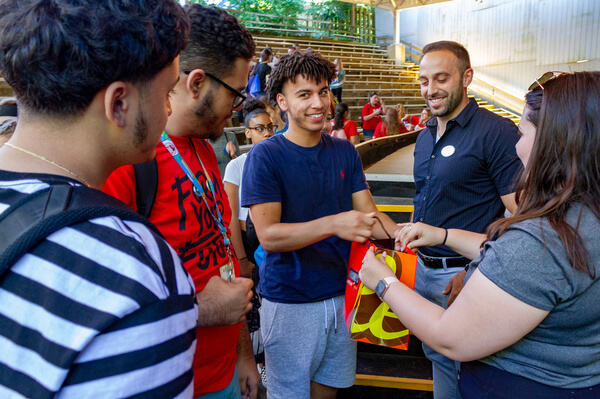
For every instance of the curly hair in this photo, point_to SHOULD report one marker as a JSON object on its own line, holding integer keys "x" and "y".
{"x": 58, "y": 54}
{"x": 310, "y": 65}
{"x": 217, "y": 39}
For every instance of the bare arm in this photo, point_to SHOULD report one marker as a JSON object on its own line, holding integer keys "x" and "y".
{"x": 363, "y": 201}
{"x": 483, "y": 320}
{"x": 236, "y": 230}
{"x": 354, "y": 139}
{"x": 283, "y": 237}
{"x": 247, "y": 372}
{"x": 417, "y": 235}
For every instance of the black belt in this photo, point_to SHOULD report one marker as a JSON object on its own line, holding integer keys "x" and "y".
{"x": 437, "y": 263}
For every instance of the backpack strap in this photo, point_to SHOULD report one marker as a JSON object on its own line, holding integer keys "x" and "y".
{"x": 146, "y": 185}
{"x": 27, "y": 222}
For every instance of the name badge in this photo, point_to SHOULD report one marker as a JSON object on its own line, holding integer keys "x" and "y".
{"x": 227, "y": 272}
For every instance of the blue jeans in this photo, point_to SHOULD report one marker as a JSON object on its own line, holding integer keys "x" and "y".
{"x": 231, "y": 391}
{"x": 368, "y": 133}
{"x": 430, "y": 283}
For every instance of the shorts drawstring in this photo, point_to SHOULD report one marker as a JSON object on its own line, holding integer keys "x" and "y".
{"x": 334, "y": 315}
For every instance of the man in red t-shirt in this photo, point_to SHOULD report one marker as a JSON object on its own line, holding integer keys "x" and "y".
{"x": 371, "y": 114}
{"x": 211, "y": 75}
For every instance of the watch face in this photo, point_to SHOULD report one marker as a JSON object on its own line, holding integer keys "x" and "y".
{"x": 380, "y": 288}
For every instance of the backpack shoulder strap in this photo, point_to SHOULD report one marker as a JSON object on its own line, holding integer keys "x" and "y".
{"x": 146, "y": 185}
{"x": 26, "y": 223}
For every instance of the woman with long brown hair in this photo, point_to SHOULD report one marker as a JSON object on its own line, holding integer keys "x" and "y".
{"x": 390, "y": 126}
{"x": 527, "y": 323}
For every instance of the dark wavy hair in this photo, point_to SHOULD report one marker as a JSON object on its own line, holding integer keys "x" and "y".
{"x": 340, "y": 112}
{"x": 216, "y": 41}
{"x": 312, "y": 66}
{"x": 564, "y": 167}
{"x": 464, "y": 60}
{"x": 58, "y": 54}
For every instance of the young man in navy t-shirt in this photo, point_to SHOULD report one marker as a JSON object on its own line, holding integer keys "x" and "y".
{"x": 309, "y": 199}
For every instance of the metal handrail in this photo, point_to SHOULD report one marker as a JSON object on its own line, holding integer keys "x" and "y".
{"x": 307, "y": 26}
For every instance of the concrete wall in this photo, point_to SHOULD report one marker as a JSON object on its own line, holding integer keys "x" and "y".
{"x": 511, "y": 42}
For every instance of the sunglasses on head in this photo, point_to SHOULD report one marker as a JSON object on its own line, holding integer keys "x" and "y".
{"x": 545, "y": 78}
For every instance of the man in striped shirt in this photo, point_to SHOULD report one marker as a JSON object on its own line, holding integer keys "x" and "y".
{"x": 102, "y": 308}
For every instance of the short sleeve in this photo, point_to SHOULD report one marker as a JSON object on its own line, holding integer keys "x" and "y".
{"x": 503, "y": 163}
{"x": 351, "y": 129}
{"x": 528, "y": 267}
{"x": 261, "y": 184}
{"x": 378, "y": 131}
{"x": 233, "y": 172}
{"x": 365, "y": 111}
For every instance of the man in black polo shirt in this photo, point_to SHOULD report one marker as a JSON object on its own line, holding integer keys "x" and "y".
{"x": 465, "y": 166}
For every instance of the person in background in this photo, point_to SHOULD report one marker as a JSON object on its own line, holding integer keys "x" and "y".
{"x": 259, "y": 127}
{"x": 277, "y": 115}
{"x": 414, "y": 122}
{"x": 342, "y": 126}
{"x": 226, "y": 149}
{"x": 371, "y": 115}
{"x": 328, "y": 125}
{"x": 526, "y": 323}
{"x": 262, "y": 70}
{"x": 390, "y": 125}
{"x": 338, "y": 82}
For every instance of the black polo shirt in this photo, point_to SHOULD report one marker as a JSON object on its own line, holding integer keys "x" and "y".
{"x": 460, "y": 179}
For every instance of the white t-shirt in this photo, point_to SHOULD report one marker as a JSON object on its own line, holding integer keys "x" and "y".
{"x": 233, "y": 175}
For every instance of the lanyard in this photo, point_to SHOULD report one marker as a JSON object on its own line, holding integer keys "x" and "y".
{"x": 198, "y": 189}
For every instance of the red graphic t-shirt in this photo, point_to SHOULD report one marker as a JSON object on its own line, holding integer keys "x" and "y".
{"x": 367, "y": 110}
{"x": 188, "y": 226}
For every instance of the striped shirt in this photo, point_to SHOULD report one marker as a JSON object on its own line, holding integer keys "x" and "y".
{"x": 99, "y": 309}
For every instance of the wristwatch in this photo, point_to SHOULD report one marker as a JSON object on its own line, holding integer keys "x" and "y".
{"x": 383, "y": 285}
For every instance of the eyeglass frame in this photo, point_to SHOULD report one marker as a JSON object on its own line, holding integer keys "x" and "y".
{"x": 238, "y": 94}
{"x": 543, "y": 79}
{"x": 272, "y": 129}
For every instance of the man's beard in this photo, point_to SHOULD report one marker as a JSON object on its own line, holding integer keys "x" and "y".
{"x": 453, "y": 100}
{"x": 207, "y": 119}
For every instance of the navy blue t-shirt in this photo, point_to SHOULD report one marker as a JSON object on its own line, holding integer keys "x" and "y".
{"x": 459, "y": 180}
{"x": 310, "y": 183}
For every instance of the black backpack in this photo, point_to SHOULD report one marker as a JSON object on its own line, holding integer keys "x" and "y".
{"x": 28, "y": 221}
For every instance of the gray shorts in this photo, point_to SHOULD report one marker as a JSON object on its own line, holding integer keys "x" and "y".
{"x": 302, "y": 344}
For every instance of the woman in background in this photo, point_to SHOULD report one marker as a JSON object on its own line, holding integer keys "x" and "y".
{"x": 338, "y": 82}
{"x": 389, "y": 126}
{"x": 342, "y": 126}
{"x": 328, "y": 125}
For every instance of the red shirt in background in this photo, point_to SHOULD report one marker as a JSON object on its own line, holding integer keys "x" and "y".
{"x": 367, "y": 110}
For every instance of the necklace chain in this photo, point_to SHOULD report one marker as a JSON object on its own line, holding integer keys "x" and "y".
{"x": 33, "y": 154}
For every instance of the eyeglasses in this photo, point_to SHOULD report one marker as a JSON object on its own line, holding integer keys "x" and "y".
{"x": 545, "y": 78}
{"x": 262, "y": 128}
{"x": 239, "y": 97}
